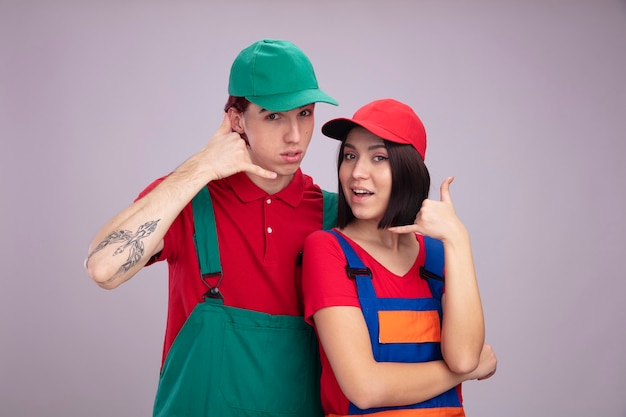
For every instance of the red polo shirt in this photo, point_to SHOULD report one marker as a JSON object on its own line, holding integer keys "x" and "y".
{"x": 259, "y": 235}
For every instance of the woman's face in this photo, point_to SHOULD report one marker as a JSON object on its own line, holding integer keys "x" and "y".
{"x": 365, "y": 174}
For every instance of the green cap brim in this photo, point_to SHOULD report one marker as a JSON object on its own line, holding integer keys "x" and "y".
{"x": 292, "y": 100}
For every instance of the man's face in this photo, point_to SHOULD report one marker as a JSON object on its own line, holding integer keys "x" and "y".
{"x": 277, "y": 140}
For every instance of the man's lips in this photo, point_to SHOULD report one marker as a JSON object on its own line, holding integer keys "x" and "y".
{"x": 292, "y": 156}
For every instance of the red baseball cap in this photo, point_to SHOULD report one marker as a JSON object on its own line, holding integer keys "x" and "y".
{"x": 386, "y": 118}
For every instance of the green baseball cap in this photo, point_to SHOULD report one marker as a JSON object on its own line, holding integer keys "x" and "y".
{"x": 275, "y": 75}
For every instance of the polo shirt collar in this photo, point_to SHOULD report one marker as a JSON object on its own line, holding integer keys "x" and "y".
{"x": 247, "y": 191}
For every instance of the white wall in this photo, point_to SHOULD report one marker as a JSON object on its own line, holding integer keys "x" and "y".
{"x": 524, "y": 102}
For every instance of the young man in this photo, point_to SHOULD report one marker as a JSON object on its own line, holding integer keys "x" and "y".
{"x": 235, "y": 340}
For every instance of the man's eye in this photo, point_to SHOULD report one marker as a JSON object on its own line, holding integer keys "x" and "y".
{"x": 272, "y": 116}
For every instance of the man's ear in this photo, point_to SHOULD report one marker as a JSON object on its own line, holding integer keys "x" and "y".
{"x": 236, "y": 120}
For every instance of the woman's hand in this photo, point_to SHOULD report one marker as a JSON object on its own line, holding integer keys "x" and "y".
{"x": 436, "y": 218}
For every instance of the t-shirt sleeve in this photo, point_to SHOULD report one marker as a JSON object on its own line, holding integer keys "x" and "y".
{"x": 324, "y": 279}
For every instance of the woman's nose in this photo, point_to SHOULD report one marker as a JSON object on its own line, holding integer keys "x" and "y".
{"x": 360, "y": 169}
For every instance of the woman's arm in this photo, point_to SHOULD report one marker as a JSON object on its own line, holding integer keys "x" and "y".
{"x": 463, "y": 328}
{"x": 366, "y": 383}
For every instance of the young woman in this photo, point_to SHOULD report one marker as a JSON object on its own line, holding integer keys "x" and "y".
{"x": 393, "y": 341}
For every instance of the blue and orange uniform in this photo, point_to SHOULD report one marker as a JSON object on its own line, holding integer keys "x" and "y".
{"x": 403, "y": 315}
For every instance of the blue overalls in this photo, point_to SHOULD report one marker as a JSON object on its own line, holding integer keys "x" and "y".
{"x": 405, "y": 329}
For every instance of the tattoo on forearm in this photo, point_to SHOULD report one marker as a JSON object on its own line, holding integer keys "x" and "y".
{"x": 132, "y": 241}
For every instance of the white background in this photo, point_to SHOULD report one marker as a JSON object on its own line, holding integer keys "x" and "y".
{"x": 523, "y": 101}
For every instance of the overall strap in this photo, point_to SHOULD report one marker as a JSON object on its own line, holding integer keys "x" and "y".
{"x": 205, "y": 233}
{"x": 356, "y": 269}
{"x": 433, "y": 268}
{"x": 432, "y": 271}
{"x": 330, "y": 209}
{"x": 205, "y": 240}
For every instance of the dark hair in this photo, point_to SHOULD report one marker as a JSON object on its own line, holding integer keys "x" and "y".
{"x": 239, "y": 103}
{"x": 410, "y": 183}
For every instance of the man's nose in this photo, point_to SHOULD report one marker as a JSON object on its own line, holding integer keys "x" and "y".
{"x": 293, "y": 134}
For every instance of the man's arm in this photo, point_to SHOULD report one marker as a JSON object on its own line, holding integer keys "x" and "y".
{"x": 126, "y": 243}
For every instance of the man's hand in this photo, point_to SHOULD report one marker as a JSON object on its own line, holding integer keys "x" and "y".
{"x": 227, "y": 153}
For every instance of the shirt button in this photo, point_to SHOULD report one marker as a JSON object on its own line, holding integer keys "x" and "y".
{"x": 269, "y": 230}
{"x": 268, "y": 201}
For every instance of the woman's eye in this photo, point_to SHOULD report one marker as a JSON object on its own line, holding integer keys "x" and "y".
{"x": 380, "y": 158}
{"x": 306, "y": 112}
{"x": 348, "y": 156}
{"x": 272, "y": 116}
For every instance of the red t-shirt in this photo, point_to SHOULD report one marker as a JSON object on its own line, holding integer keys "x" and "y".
{"x": 325, "y": 284}
{"x": 259, "y": 235}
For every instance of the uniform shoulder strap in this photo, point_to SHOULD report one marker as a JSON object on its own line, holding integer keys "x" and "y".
{"x": 330, "y": 209}
{"x": 433, "y": 269}
{"x": 355, "y": 266}
{"x": 205, "y": 233}
{"x": 361, "y": 274}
